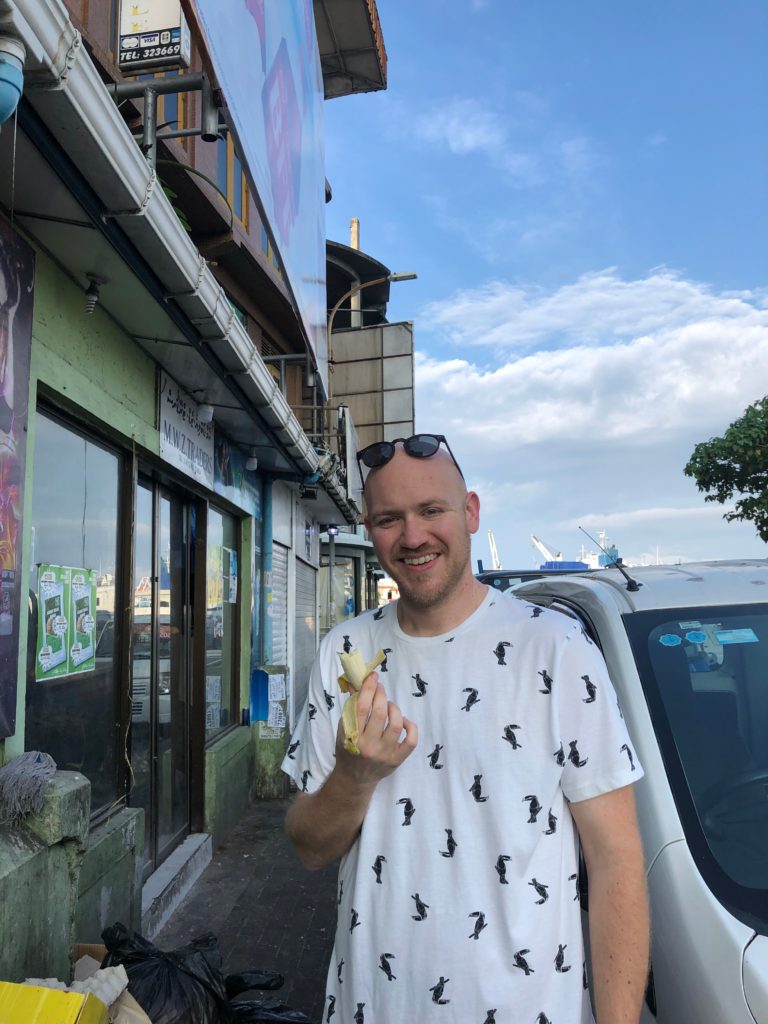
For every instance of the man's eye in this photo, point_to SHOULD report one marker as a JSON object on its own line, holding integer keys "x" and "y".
{"x": 433, "y": 511}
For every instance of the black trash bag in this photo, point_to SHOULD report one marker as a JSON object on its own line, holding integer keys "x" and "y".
{"x": 268, "y": 1011}
{"x": 183, "y": 986}
{"x": 247, "y": 980}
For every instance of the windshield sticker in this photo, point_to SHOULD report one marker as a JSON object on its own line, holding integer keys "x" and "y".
{"x": 696, "y": 636}
{"x": 736, "y": 636}
{"x": 670, "y": 640}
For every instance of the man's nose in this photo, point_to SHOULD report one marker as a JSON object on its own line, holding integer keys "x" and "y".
{"x": 414, "y": 534}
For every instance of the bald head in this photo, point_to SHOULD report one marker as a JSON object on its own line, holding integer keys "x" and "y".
{"x": 403, "y": 472}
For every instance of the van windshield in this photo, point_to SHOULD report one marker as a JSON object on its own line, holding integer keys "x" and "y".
{"x": 705, "y": 675}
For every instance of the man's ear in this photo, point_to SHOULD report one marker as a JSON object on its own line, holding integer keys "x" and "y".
{"x": 472, "y": 509}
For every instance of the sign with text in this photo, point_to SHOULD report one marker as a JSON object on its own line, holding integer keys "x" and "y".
{"x": 153, "y": 33}
{"x": 185, "y": 442}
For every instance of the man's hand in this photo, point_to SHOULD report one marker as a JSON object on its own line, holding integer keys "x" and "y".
{"x": 381, "y": 742}
{"x": 323, "y": 826}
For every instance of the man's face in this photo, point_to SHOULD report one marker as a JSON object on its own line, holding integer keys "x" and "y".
{"x": 420, "y": 518}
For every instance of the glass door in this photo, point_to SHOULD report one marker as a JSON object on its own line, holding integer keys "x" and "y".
{"x": 160, "y": 669}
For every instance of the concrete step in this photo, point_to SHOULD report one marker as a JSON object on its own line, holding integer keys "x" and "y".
{"x": 165, "y": 889}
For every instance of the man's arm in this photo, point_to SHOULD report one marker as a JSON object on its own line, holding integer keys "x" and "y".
{"x": 618, "y": 905}
{"x": 323, "y": 825}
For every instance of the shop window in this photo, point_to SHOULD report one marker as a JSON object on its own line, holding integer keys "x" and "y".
{"x": 72, "y": 691}
{"x": 221, "y": 619}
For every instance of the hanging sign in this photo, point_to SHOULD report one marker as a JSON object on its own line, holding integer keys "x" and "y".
{"x": 185, "y": 441}
{"x": 153, "y": 33}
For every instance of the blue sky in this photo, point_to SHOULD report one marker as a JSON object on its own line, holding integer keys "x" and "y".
{"x": 581, "y": 190}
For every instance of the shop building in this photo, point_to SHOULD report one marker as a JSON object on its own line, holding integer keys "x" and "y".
{"x": 166, "y": 462}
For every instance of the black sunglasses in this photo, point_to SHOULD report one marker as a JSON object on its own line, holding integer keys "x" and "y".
{"x": 420, "y": 446}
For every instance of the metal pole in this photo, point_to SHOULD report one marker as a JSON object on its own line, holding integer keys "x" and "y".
{"x": 331, "y": 568}
{"x": 149, "y": 140}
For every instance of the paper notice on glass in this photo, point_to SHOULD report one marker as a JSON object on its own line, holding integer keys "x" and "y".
{"x": 212, "y": 689}
{"x": 267, "y": 733}
{"x": 276, "y": 719}
{"x": 212, "y": 715}
{"x": 277, "y": 687}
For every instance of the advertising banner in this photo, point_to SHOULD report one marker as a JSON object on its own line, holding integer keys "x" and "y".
{"x": 66, "y": 622}
{"x": 266, "y": 61}
{"x": 17, "y": 276}
{"x": 153, "y": 33}
{"x": 232, "y": 480}
{"x": 185, "y": 442}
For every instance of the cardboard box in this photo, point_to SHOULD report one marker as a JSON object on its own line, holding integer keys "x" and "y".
{"x": 94, "y": 949}
{"x": 29, "y": 1004}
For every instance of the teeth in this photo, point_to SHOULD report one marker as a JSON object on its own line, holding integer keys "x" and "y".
{"x": 419, "y": 561}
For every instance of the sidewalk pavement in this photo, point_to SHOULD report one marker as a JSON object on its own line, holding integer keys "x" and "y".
{"x": 266, "y": 910}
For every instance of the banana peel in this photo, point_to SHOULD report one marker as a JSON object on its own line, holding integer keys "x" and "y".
{"x": 356, "y": 670}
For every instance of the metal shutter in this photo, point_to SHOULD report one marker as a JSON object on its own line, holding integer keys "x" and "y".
{"x": 279, "y": 605}
{"x": 306, "y": 631}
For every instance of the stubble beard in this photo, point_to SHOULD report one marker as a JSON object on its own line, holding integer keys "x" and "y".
{"x": 423, "y": 593}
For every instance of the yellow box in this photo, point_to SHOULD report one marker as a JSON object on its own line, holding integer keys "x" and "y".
{"x": 30, "y": 1004}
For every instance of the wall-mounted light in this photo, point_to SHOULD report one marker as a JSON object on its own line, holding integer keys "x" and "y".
{"x": 205, "y": 412}
{"x": 252, "y": 462}
{"x": 93, "y": 292}
{"x": 12, "y": 57}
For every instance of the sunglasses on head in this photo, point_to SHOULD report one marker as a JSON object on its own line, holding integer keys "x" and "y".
{"x": 420, "y": 446}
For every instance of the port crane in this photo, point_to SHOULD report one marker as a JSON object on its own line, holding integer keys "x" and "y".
{"x": 547, "y": 553}
{"x": 496, "y": 564}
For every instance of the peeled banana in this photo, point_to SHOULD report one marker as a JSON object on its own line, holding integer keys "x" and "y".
{"x": 356, "y": 669}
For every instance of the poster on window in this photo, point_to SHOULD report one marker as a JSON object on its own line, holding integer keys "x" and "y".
{"x": 17, "y": 277}
{"x": 66, "y": 622}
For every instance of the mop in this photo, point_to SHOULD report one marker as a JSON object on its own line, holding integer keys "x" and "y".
{"x": 23, "y": 782}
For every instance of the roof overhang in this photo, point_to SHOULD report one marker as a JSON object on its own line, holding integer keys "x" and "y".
{"x": 352, "y": 54}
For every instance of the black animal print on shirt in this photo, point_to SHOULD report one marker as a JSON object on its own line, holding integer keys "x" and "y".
{"x": 510, "y": 737}
{"x": 421, "y": 686}
{"x": 380, "y": 859}
{"x": 628, "y": 752}
{"x": 574, "y": 756}
{"x": 560, "y": 965}
{"x": 476, "y": 789}
{"x": 408, "y": 809}
{"x": 451, "y": 844}
{"x": 522, "y": 963}
{"x": 386, "y": 651}
{"x": 385, "y": 965}
{"x": 500, "y": 649}
{"x": 472, "y": 699}
{"x": 421, "y": 908}
{"x": 479, "y": 923}
{"x": 437, "y": 991}
{"x": 501, "y": 867}
{"x": 591, "y": 690}
{"x": 434, "y": 757}
{"x": 541, "y": 889}
{"x": 533, "y": 807}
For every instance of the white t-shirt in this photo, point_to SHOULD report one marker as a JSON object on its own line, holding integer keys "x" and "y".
{"x": 458, "y": 903}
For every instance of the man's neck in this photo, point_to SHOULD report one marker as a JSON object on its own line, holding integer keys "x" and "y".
{"x": 416, "y": 620}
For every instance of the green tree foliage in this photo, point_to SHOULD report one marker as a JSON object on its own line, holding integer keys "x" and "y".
{"x": 737, "y": 464}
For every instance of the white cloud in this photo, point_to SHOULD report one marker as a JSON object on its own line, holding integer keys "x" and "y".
{"x": 599, "y": 307}
{"x": 593, "y": 424}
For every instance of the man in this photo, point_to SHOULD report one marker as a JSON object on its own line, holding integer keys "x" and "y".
{"x": 457, "y": 897}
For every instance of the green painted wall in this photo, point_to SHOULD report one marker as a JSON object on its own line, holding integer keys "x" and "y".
{"x": 39, "y": 870}
{"x": 110, "y": 886}
{"x": 228, "y": 781}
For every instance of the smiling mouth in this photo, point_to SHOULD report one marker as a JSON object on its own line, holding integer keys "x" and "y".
{"x": 421, "y": 559}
